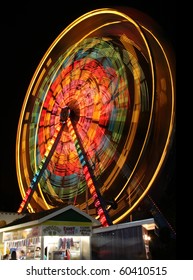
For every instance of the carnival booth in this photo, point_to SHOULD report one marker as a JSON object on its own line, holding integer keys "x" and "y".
{"x": 56, "y": 234}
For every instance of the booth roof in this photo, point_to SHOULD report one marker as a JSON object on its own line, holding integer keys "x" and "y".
{"x": 68, "y": 213}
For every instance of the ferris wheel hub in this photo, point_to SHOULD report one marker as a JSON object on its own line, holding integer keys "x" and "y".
{"x": 64, "y": 115}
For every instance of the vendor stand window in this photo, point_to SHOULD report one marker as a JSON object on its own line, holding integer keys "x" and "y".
{"x": 63, "y": 233}
{"x": 52, "y": 242}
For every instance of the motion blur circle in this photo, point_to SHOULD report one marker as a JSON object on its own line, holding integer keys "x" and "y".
{"x": 115, "y": 74}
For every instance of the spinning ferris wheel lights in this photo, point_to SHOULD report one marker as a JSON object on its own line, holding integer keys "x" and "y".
{"x": 117, "y": 78}
{"x": 99, "y": 204}
{"x": 44, "y": 162}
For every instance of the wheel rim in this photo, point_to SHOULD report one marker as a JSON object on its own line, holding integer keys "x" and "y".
{"x": 105, "y": 67}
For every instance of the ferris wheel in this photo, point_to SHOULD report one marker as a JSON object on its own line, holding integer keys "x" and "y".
{"x": 98, "y": 117}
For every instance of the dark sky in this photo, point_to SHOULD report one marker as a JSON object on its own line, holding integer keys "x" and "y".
{"x": 26, "y": 32}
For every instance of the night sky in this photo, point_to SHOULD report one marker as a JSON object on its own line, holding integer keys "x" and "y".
{"x": 26, "y": 34}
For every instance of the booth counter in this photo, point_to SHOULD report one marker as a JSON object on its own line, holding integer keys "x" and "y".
{"x": 54, "y": 234}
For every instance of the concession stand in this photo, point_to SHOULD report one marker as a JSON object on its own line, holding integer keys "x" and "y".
{"x": 56, "y": 234}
